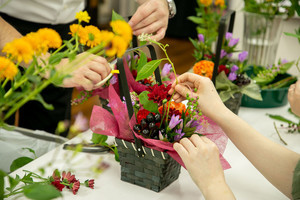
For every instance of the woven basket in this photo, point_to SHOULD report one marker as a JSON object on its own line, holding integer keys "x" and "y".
{"x": 155, "y": 171}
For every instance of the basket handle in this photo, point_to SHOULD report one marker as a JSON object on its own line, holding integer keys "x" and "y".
{"x": 124, "y": 90}
{"x": 221, "y": 33}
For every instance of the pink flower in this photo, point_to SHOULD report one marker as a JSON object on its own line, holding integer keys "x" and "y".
{"x": 75, "y": 187}
{"x": 56, "y": 175}
{"x": 67, "y": 176}
{"x": 89, "y": 183}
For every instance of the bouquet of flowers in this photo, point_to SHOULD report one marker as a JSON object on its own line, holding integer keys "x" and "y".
{"x": 231, "y": 78}
{"x": 41, "y": 72}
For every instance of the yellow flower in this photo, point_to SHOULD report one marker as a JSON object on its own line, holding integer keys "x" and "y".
{"x": 36, "y": 43}
{"x": 204, "y": 68}
{"x": 50, "y": 37}
{"x": 93, "y": 35}
{"x": 7, "y": 68}
{"x": 106, "y": 37}
{"x": 118, "y": 46}
{"x": 83, "y": 16}
{"x": 19, "y": 49}
{"x": 122, "y": 29}
{"x": 220, "y": 3}
{"x": 206, "y": 2}
{"x": 81, "y": 32}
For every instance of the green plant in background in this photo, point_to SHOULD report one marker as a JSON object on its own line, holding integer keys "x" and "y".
{"x": 208, "y": 15}
{"x": 273, "y": 7}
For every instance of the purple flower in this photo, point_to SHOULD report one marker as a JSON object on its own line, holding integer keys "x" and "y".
{"x": 228, "y": 36}
{"x": 223, "y": 53}
{"x": 128, "y": 57}
{"x": 201, "y": 37}
{"x": 229, "y": 55}
{"x": 194, "y": 123}
{"x": 233, "y": 42}
{"x": 174, "y": 121}
{"x": 284, "y": 61}
{"x": 243, "y": 56}
{"x": 179, "y": 136}
{"x": 160, "y": 136}
{"x": 165, "y": 71}
{"x": 232, "y": 76}
{"x": 113, "y": 80}
{"x": 234, "y": 68}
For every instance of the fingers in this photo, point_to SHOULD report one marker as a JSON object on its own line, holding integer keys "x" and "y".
{"x": 160, "y": 34}
{"x": 141, "y": 13}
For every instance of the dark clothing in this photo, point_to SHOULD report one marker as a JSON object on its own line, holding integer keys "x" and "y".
{"x": 33, "y": 115}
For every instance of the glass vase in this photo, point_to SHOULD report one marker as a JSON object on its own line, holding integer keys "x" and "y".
{"x": 261, "y": 38}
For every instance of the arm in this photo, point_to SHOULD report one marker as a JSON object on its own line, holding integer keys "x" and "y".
{"x": 201, "y": 158}
{"x": 294, "y": 97}
{"x": 274, "y": 161}
{"x": 93, "y": 69}
{"x": 152, "y": 16}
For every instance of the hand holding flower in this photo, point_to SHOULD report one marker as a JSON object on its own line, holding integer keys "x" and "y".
{"x": 294, "y": 97}
{"x": 209, "y": 100}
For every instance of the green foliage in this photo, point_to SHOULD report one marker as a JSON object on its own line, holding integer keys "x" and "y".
{"x": 148, "y": 104}
{"x": 19, "y": 162}
{"x": 41, "y": 192}
{"x": 116, "y": 16}
{"x": 148, "y": 69}
{"x": 99, "y": 139}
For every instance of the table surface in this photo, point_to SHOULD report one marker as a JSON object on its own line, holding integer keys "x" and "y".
{"x": 245, "y": 181}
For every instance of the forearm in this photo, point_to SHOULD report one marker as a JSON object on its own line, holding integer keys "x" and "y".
{"x": 7, "y": 34}
{"x": 274, "y": 161}
{"x": 218, "y": 191}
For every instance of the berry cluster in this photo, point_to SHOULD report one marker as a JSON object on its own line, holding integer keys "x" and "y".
{"x": 149, "y": 127}
{"x": 242, "y": 80}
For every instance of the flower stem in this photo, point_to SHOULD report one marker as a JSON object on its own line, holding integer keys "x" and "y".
{"x": 279, "y": 135}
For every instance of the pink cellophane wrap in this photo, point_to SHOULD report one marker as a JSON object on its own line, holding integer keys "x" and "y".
{"x": 133, "y": 85}
{"x": 118, "y": 125}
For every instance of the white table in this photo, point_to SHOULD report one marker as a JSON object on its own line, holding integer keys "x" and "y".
{"x": 246, "y": 182}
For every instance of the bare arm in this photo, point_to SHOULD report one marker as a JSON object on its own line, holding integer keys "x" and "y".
{"x": 274, "y": 161}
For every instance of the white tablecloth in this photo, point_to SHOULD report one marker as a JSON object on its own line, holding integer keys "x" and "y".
{"x": 245, "y": 181}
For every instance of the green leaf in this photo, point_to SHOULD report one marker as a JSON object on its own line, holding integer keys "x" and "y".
{"x": 116, "y": 16}
{"x": 142, "y": 43}
{"x": 41, "y": 100}
{"x": 280, "y": 118}
{"x": 99, "y": 139}
{"x": 19, "y": 162}
{"x": 115, "y": 150}
{"x": 2, "y": 175}
{"x": 148, "y": 69}
{"x": 196, "y": 20}
{"x": 283, "y": 68}
{"x": 142, "y": 61}
{"x": 56, "y": 58}
{"x": 252, "y": 90}
{"x": 41, "y": 192}
{"x": 13, "y": 182}
{"x": 147, "y": 104}
{"x": 30, "y": 150}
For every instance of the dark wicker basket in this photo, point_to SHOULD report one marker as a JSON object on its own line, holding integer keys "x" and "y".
{"x": 155, "y": 171}
{"x": 234, "y": 104}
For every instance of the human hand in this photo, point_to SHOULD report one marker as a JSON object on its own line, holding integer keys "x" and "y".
{"x": 294, "y": 97}
{"x": 91, "y": 71}
{"x": 209, "y": 100}
{"x": 152, "y": 16}
{"x": 201, "y": 158}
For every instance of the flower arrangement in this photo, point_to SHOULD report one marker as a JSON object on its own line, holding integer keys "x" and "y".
{"x": 231, "y": 78}
{"x": 41, "y": 71}
{"x": 271, "y": 8}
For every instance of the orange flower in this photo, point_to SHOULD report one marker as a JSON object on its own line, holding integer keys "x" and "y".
{"x": 7, "y": 68}
{"x": 206, "y": 2}
{"x": 19, "y": 49}
{"x": 36, "y": 43}
{"x": 93, "y": 35}
{"x": 118, "y": 46}
{"x": 220, "y": 3}
{"x": 122, "y": 29}
{"x": 80, "y": 31}
{"x": 176, "y": 106}
{"x": 106, "y": 37}
{"x": 204, "y": 68}
{"x": 50, "y": 37}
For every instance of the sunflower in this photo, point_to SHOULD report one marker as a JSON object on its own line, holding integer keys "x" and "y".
{"x": 83, "y": 16}
{"x": 122, "y": 29}
{"x": 19, "y": 49}
{"x": 7, "y": 68}
{"x": 50, "y": 37}
{"x": 93, "y": 35}
{"x": 118, "y": 46}
{"x": 204, "y": 68}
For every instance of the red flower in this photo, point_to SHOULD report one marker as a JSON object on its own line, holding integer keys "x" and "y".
{"x": 56, "y": 175}
{"x": 89, "y": 183}
{"x": 142, "y": 114}
{"x": 223, "y": 68}
{"x": 67, "y": 176}
{"x": 75, "y": 186}
{"x": 158, "y": 93}
{"x": 58, "y": 185}
{"x": 134, "y": 73}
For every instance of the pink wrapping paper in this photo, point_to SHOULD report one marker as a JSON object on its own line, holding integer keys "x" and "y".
{"x": 119, "y": 125}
